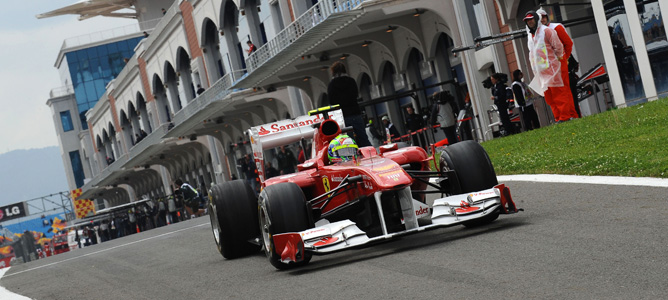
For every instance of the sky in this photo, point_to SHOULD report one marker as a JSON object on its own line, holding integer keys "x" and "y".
{"x": 28, "y": 51}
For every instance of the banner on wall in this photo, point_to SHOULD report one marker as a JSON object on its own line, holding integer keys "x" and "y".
{"x": 13, "y": 211}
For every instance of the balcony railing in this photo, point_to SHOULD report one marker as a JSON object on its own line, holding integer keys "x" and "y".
{"x": 217, "y": 91}
{"x": 152, "y": 139}
{"x": 314, "y": 16}
{"x": 115, "y": 166}
{"x": 108, "y": 34}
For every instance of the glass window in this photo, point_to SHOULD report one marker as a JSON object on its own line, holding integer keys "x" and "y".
{"x": 77, "y": 168}
{"x": 92, "y": 53}
{"x": 74, "y": 72}
{"x": 105, "y": 69}
{"x": 624, "y": 50}
{"x": 123, "y": 46}
{"x": 91, "y": 95}
{"x": 84, "y": 67}
{"x": 112, "y": 48}
{"x": 72, "y": 57}
{"x": 66, "y": 120}
{"x": 82, "y": 55}
{"x": 102, "y": 51}
{"x": 100, "y": 87}
{"x": 654, "y": 32}
{"x": 95, "y": 68}
{"x": 80, "y": 93}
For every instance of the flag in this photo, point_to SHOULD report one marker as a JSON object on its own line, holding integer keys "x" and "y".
{"x": 82, "y": 207}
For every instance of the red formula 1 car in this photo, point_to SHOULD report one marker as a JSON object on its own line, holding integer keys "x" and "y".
{"x": 327, "y": 207}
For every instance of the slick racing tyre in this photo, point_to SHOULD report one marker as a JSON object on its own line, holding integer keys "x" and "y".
{"x": 283, "y": 209}
{"x": 474, "y": 171}
{"x": 233, "y": 213}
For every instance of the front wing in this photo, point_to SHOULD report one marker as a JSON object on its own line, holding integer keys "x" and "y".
{"x": 447, "y": 211}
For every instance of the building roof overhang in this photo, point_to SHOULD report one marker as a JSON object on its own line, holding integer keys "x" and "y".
{"x": 87, "y": 9}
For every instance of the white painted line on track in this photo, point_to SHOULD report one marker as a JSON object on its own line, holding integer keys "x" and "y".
{"x": 608, "y": 180}
{"x": 104, "y": 250}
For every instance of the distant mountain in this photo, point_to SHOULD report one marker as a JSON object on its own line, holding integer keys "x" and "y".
{"x": 29, "y": 174}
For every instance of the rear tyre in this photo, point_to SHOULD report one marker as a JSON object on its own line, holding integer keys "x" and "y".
{"x": 474, "y": 171}
{"x": 282, "y": 208}
{"x": 233, "y": 214}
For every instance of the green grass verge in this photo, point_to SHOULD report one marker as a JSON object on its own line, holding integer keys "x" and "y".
{"x": 631, "y": 141}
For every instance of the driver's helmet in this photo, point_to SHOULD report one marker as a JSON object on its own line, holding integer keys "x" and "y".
{"x": 342, "y": 148}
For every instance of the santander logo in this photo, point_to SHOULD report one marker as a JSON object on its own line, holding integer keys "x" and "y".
{"x": 422, "y": 211}
{"x": 290, "y": 124}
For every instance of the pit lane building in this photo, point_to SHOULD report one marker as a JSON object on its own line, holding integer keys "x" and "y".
{"x": 399, "y": 52}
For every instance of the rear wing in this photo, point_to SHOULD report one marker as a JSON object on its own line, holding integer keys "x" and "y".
{"x": 272, "y": 135}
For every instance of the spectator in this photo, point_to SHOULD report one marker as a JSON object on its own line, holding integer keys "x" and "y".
{"x": 545, "y": 55}
{"x": 104, "y": 228}
{"x": 163, "y": 11}
{"x": 270, "y": 171}
{"x": 286, "y": 161}
{"x": 443, "y": 114}
{"x": 342, "y": 90}
{"x": 250, "y": 171}
{"x": 77, "y": 238}
{"x": 191, "y": 198}
{"x": 573, "y": 78}
{"x": 200, "y": 89}
{"x": 171, "y": 208}
{"x": 162, "y": 213}
{"x": 524, "y": 98}
{"x": 251, "y": 47}
{"x": 374, "y": 137}
{"x": 143, "y": 134}
{"x": 390, "y": 128}
{"x": 559, "y": 95}
{"x": 500, "y": 98}
{"x": 414, "y": 123}
{"x": 132, "y": 219}
{"x": 138, "y": 138}
{"x": 145, "y": 34}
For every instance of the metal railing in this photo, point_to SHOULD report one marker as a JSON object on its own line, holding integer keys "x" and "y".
{"x": 218, "y": 91}
{"x": 152, "y": 139}
{"x": 115, "y": 166}
{"x": 108, "y": 34}
{"x": 61, "y": 91}
{"x": 314, "y": 16}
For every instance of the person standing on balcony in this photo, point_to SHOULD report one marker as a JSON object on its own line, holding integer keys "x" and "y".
{"x": 342, "y": 90}
{"x": 200, "y": 89}
{"x": 251, "y": 47}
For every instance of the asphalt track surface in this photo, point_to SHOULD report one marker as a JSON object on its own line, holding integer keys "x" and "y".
{"x": 573, "y": 241}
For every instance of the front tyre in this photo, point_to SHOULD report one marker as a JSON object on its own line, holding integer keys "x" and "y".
{"x": 233, "y": 214}
{"x": 282, "y": 209}
{"x": 474, "y": 172}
